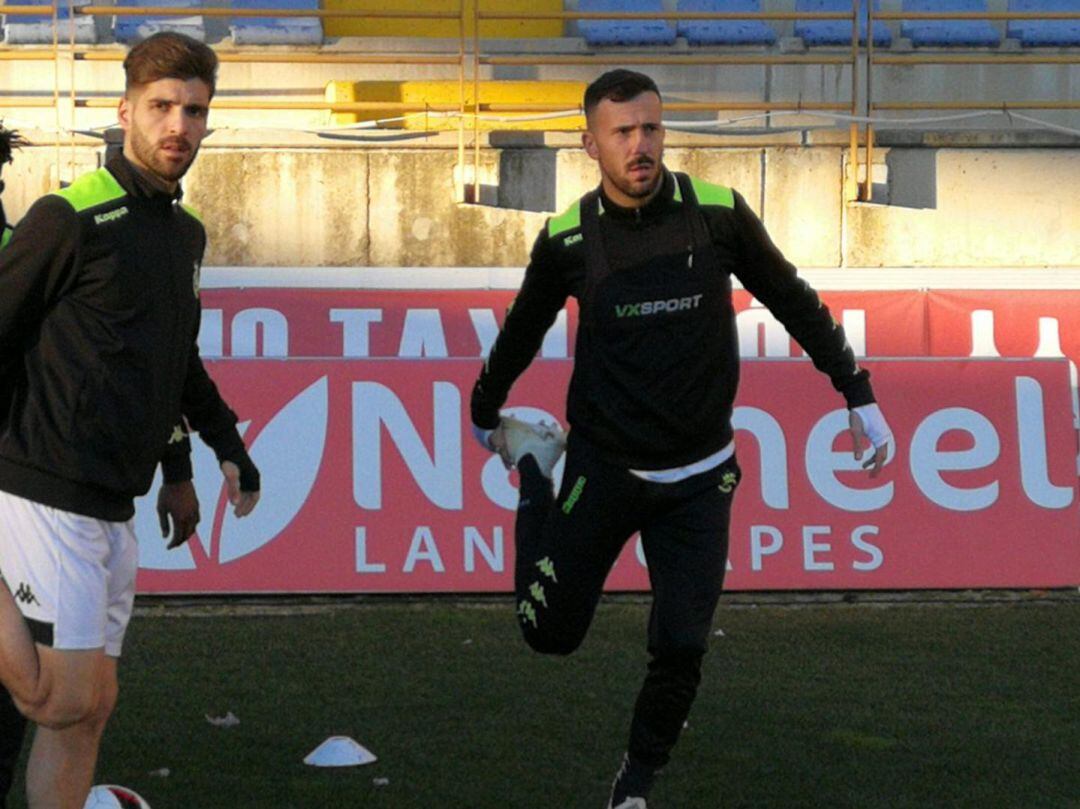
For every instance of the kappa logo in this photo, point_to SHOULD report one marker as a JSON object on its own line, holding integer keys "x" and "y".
{"x": 25, "y": 595}
{"x": 727, "y": 482}
{"x": 111, "y": 216}
{"x": 288, "y": 449}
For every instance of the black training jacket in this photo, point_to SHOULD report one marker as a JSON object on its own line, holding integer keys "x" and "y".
{"x": 99, "y": 314}
{"x": 656, "y": 362}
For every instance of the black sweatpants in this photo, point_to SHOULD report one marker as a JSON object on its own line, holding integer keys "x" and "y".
{"x": 567, "y": 545}
{"x": 12, "y": 730}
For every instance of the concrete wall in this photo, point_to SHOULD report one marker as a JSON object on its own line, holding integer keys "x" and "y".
{"x": 283, "y": 207}
{"x": 991, "y": 208}
{"x": 397, "y": 207}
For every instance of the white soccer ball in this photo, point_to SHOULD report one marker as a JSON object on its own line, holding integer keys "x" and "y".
{"x": 110, "y": 796}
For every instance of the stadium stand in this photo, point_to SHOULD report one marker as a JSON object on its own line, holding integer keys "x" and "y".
{"x": 625, "y": 32}
{"x": 937, "y": 33}
{"x": 276, "y": 30}
{"x": 37, "y": 30}
{"x": 135, "y": 27}
{"x": 724, "y": 32}
{"x": 432, "y": 28}
{"x": 838, "y": 32}
{"x": 1044, "y": 33}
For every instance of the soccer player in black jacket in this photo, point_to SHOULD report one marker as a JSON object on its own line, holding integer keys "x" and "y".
{"x": 99, "y": 316}
{"x": 649, "y": 256}
{"x": 12, "y": 723}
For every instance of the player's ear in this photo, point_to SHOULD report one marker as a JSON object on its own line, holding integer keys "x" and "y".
{"x": 123, "y": 112}
{"x": 589, "y": 142}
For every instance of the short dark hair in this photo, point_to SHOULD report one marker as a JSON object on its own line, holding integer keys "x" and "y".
{"x": 170, "y": 55}
{"x": 617, "y": 85}
{"x": 10, "y": 140}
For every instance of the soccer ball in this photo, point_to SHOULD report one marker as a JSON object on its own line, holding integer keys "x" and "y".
{"x": 110, "y": 796}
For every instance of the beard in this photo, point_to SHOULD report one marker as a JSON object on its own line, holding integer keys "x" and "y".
{"x": 150, "y": 155}
{"x": 636, "y": 188}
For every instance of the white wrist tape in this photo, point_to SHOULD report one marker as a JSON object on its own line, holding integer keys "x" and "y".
{"x": 877, "y": 429}
{"x": 483, "y": 436}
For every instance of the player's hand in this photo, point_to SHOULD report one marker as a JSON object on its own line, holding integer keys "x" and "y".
{"x": 243, "y": 502}
{"x": 493, "y": 441}
{"x": 498, "y": 445}
{"x": 483, "y": 437}
{"x": 868, "y": 425}
{"x": 177, "y": 503}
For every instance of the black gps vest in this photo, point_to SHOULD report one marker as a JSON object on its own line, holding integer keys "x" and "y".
{"x": 656, "y": 361}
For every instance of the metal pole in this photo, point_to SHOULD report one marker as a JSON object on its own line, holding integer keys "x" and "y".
{"x": 868, "y": 187}
{"x": 461, "y": 99}
{"x": 56, "y": 87}
{"x": 71, "y": 78}
{"x": 851, "y": 187}
{"x": 476, "y": 104}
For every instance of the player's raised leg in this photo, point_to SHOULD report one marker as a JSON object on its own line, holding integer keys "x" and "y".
{"x": 565, "y": 546}
{"x": 12, "y": 731}
{"x": 74, "y": 580}
{"x": 60, "y": 770}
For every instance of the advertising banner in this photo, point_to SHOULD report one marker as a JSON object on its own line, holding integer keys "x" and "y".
{"x": 373, "y": 482}
{"x": 436, "y": 324}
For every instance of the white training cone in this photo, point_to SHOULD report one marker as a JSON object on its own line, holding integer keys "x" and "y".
{"x": 339, "y": 751}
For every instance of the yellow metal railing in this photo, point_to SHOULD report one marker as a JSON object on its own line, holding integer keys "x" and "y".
{"x": 480, "y": 59}
{"x": 471, "y": 58}
{"x": 874, "y": 59}
{"x": 74, "y": 54}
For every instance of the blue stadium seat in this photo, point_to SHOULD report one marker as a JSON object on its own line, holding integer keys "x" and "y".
{"x": 277, "y": 30}
{"x": 36, "y": 30}
{"x": 838, "y": 32}
{"x": 1045, "y": 33}
{"x": 625, "y": 32}
{"x": 724, "y": 32}
{"x": 132, "y": 28}
{"x": 948, "y": 32}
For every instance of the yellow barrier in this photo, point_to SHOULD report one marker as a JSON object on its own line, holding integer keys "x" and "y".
{"x": 502, "y": 29}
{"x": 494, "y": 96}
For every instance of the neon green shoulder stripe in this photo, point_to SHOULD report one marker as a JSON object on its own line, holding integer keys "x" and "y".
{"x": 5, "y": 237}
{"x": 194, "y": 213}
{"x": 90, "y": 190}
{"x": 567, "y": 220}
{"x": 710, "y": 194}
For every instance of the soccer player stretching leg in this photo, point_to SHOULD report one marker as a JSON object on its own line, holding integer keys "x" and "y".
{"x": 649, "y": 255}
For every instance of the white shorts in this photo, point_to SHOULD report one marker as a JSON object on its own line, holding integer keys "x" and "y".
{"x": 72, "y": 576}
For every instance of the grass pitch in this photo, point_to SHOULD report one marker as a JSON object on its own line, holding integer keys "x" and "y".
{"x": 834, "y": 705}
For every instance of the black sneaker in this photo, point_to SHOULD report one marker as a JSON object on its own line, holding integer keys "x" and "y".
{"x": 631, "y": 786}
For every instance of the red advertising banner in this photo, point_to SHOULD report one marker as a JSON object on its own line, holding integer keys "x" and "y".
{"x": 373, "y": 482}
{"x": 1005, "y": 323}
{"x": 435, "y": 324}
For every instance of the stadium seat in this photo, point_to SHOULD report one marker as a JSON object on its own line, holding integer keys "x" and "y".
{"x": 36, "y": 30}
{"x": 948, "y": 32}
{"x": 838, "y": 32}
{"x": 724, "y": 32}
{"x": 625, "y": 32}
{"x": 277, "y": 30}
{"x": 1044, "y": 33}
{"x": 132, "y": 28}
